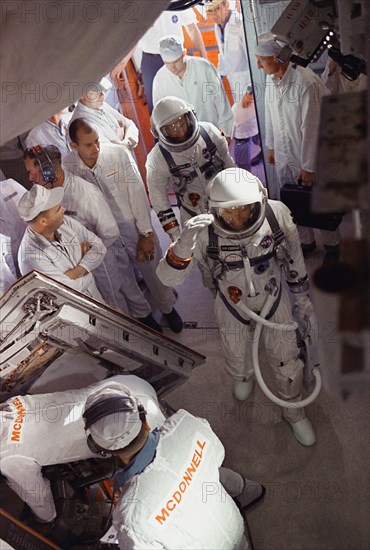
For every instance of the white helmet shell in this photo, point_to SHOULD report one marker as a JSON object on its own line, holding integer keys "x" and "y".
{"x": 167, "y": 110}
{"x": 235, "y": 187}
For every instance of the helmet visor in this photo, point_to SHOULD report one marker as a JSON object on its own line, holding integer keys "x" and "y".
{"x": 180, "y": 129}
{"x": 237, "y": 218}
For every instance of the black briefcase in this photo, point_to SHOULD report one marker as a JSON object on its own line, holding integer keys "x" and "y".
{"x": 298, "y": 199}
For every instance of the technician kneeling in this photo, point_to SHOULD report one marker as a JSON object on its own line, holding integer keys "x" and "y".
{"x": 172, "y": 491}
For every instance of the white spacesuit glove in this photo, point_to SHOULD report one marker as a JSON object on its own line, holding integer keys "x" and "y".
{"x": 186, "y": 243}
{"x": 305, "y": 306}
{"x": 174, "y": 233}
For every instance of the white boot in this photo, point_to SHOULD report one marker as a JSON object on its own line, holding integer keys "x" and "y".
{"x": 242, "y": 389}
{"x": 304, "y": 432}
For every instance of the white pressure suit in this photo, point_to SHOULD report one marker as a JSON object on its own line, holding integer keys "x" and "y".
{"x": 200, "y": 86}
{"x": 177, "y": 501}
{"x": 108, "y": 120}
{"x": 84, "y": 202}
{"x": 247, "y": 265}
{"x": 45, "y": 429}
{"x": 189, "y": 191}
{"x": 12, "y": 228}
{"x": 292, "y": 117}
{"x": 117, "y": 177}
{"x": 54, "y": 258}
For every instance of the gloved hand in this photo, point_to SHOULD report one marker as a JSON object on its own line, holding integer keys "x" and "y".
{"x": 174, "y": 233}
{"x": 185, "y": 244}
{"x": 305, "y": 306}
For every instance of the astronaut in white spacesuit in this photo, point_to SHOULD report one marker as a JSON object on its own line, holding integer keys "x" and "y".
{"x": 171, "y": 480}
{"x": 45, "y": 429}
{"x": 245, "y": 241}
{"x": 188, "y": 153}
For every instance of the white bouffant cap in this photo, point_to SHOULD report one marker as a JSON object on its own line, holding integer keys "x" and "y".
{"x": 115, "y": 429}
{"x": 267, "y": 45}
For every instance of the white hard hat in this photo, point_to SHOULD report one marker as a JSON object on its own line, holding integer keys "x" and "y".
{"x": 113, "y": 416}
{"x": 233, "y": 188}
{"x": 167, "y": 111}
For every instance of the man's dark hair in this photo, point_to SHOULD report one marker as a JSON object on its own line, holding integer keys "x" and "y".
{"x": 51, "y": 150}
{"x": 79, "y": 124}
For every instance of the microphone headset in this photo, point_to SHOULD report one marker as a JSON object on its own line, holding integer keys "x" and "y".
{"x": 105, "y": 408}
{"x": 45, "y": 163}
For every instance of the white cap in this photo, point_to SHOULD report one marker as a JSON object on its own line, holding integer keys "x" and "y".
{"x": 116, "y": 430}
{"x": 267, "y": 45}
{"x": 103, "y": 86}
{"x": 39, "y": 199}
{"x": 170, "y": 48}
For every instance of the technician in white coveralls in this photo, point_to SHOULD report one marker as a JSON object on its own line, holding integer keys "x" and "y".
{"x": 113, "y": 126}
{"x": 292, "y": 118}
{"x": 111, "y": 170}
{"x": 244, "y": 242}
{"x": 45, "y": 429}
{"x": 172, "y": 486}
{"x": 86, "y": 204}
{"x": 194, "y": 80}
{"x": 233, "y": 63}
{"x": 12, "y": 228}
{"x": 188, "y": 153}
{"x": 58, "y": 246}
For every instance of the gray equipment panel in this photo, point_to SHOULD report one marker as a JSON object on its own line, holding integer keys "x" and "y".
{"x": 41, "y": 319}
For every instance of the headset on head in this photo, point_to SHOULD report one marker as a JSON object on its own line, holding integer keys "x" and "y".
{"x": 45, "y": 163}
{"x": 105, "y": 408}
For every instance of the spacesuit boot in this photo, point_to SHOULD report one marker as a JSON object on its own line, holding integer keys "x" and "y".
{"x": 242, "y": 389}
{"x": 303, "y": 431}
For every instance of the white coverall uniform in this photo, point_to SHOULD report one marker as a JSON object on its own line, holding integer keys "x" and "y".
{"x": 85, "y": 203}
{"x": 49, "y": 133}
{"x": 236, "y": 337}
{"x": 12, "y": 228}
{"x": 55, "y": 258}
{"x": 167, "y": 24}
{"x": 292, "y": 111}
{"x": 118, "y": 178}
{"x": 39, "y": 430}
{"x": 200, "y": 86}
{"x": 233, "y": 63}
{"x": 108, "y": 120}
{"x": 158, "y": 175}
{"x": 177, "y": 501}
{"x": 8, "y": 272}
